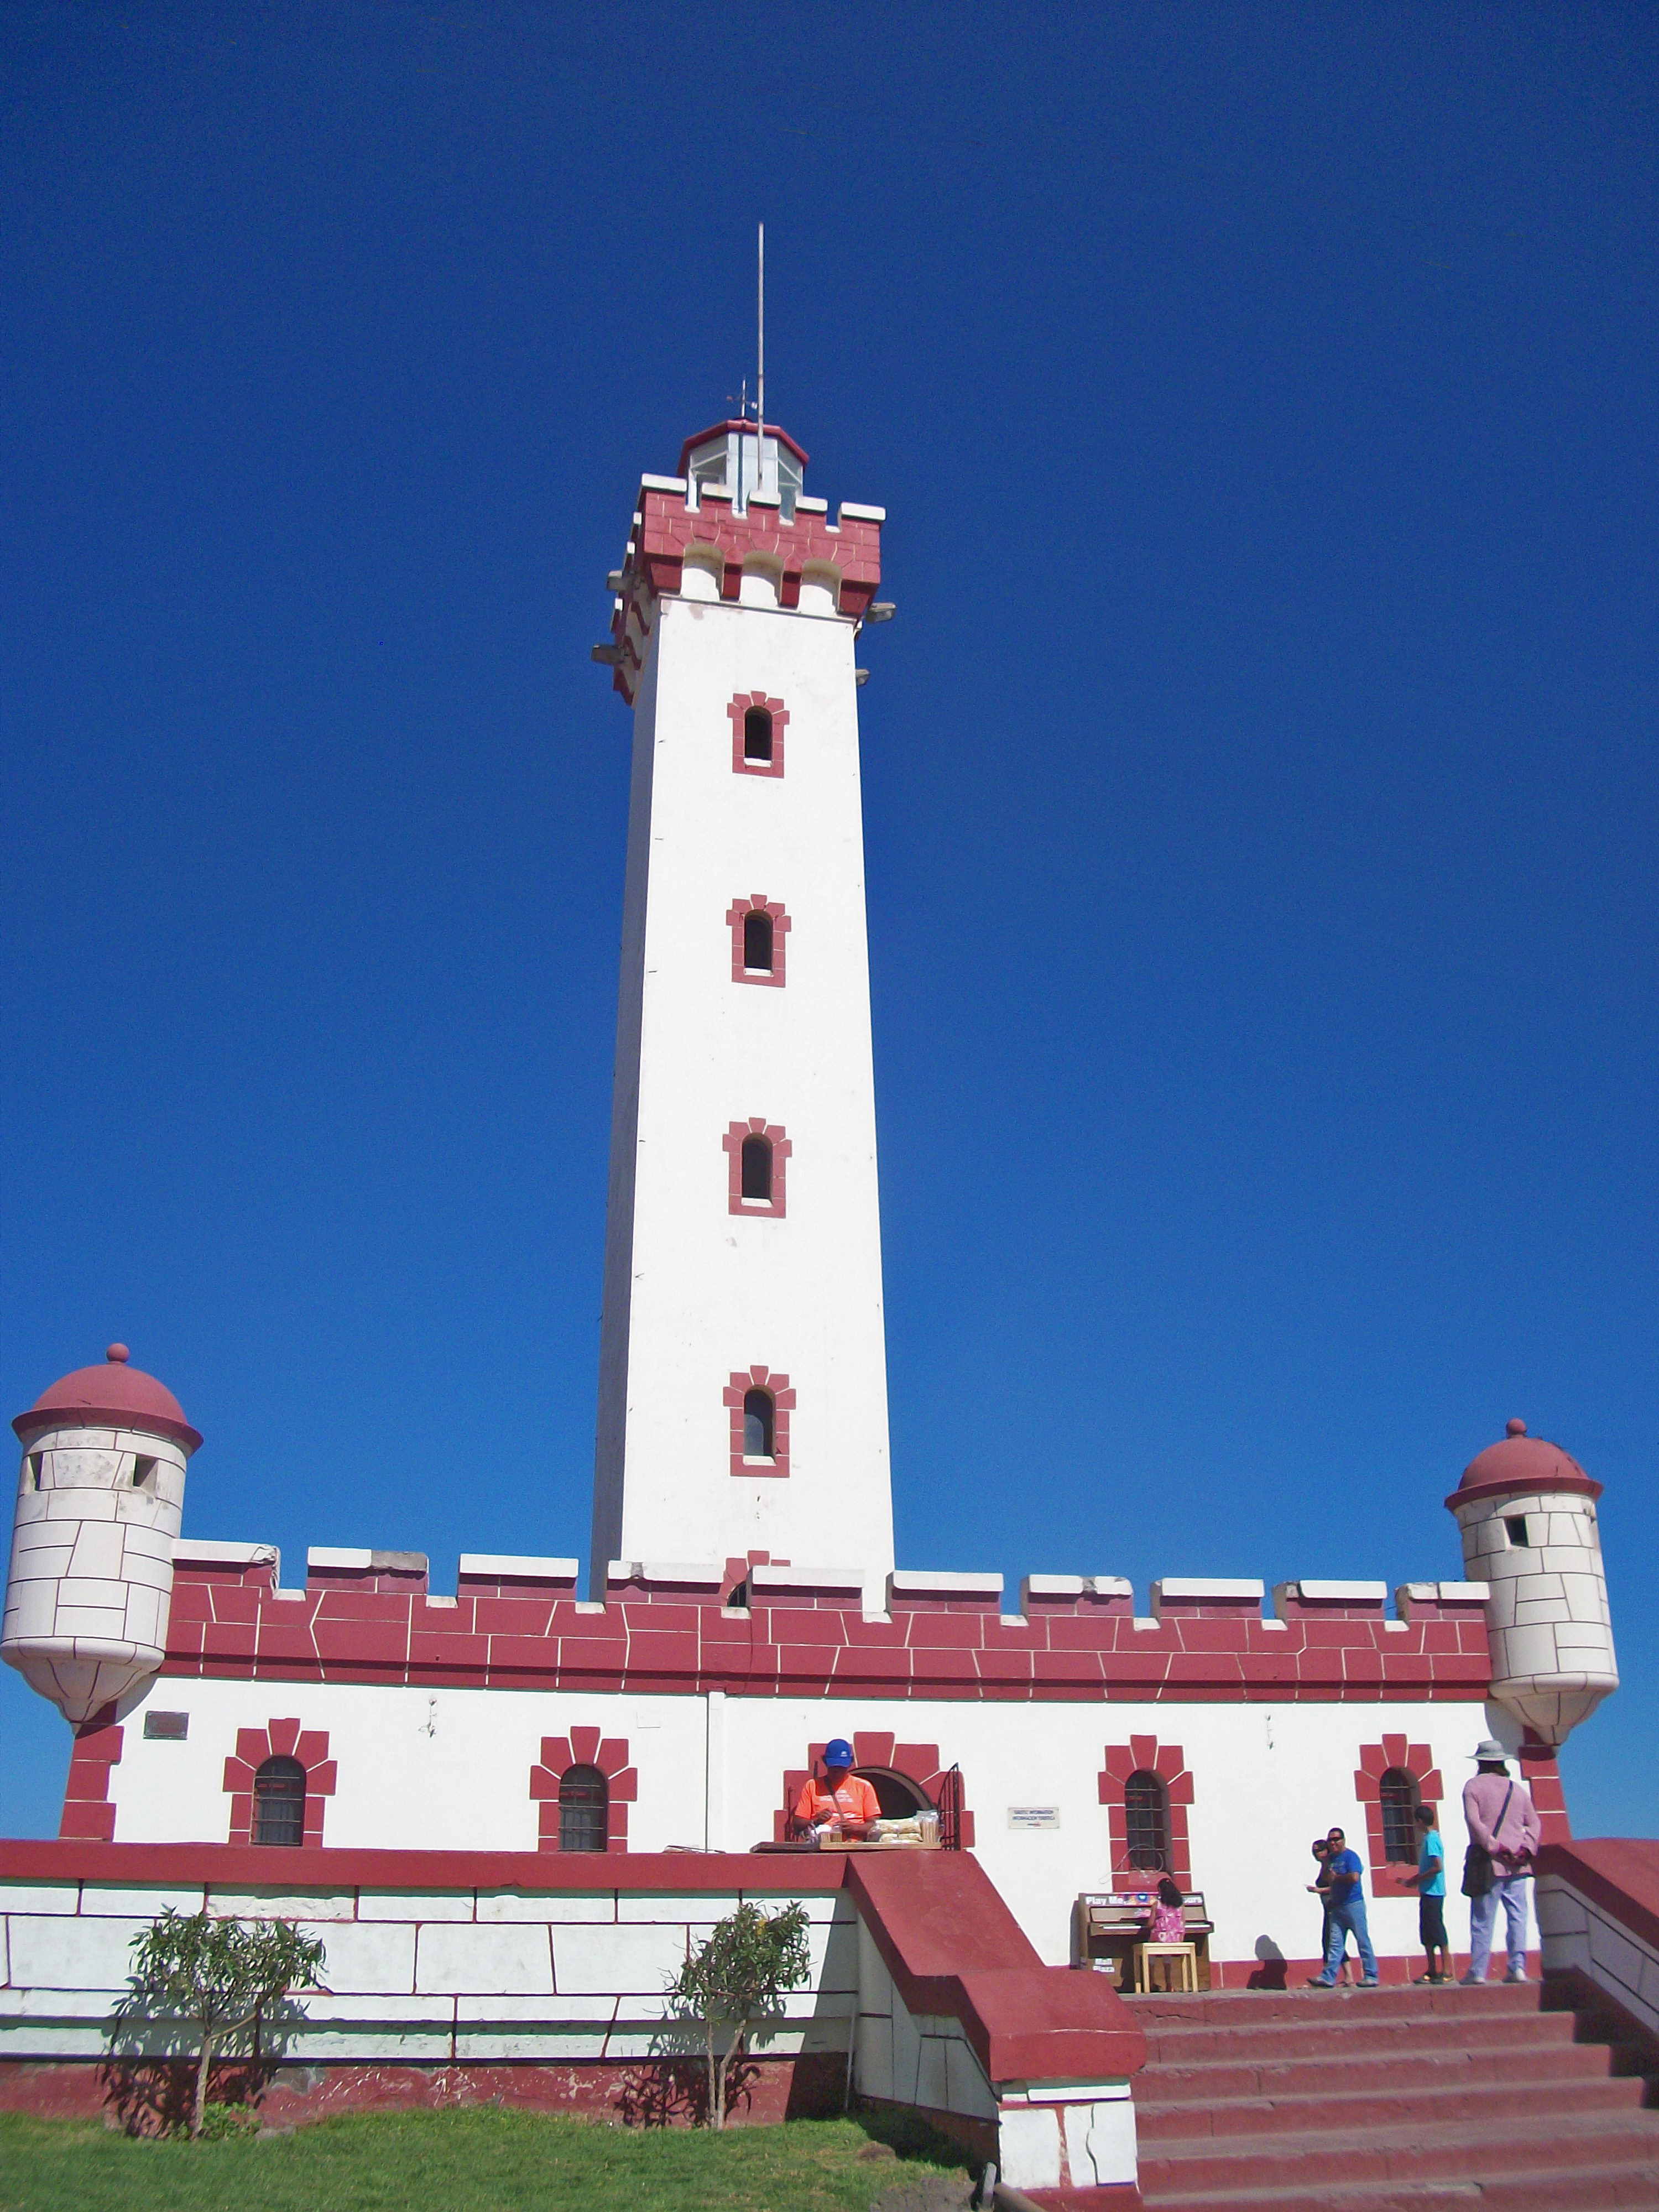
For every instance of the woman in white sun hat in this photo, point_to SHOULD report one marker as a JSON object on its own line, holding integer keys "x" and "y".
{"x": 1504, "y": 1832}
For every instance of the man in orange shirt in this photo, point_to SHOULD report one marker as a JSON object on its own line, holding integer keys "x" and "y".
{"x": 842, "y": 1801}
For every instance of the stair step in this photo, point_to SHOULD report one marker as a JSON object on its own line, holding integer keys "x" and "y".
{"x": 1555, "y": 2143}
{"x": 1341, "y": 2110}
{"x": 1171, "y": 2083}
{"x": 1309, "y": 2035}
{"x": 1208, "y": 2008}
{"x": 1625, "y": 2188}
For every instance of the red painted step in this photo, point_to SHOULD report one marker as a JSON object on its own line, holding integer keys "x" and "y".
{"x": 1390, "y": 2100}
{"x": 1423, "y": 2069}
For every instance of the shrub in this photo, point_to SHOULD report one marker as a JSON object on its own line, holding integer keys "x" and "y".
{"x": 736, "y": 1979}
{"x": 216, "y": 1982}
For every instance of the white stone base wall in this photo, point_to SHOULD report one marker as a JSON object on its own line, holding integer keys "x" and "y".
{"x": 1575, "y": 1931}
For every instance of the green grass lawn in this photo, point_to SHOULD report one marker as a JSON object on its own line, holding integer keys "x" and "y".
{"x": 475, "y": 2160}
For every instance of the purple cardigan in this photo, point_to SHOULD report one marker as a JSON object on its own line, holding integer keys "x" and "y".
{"x": 1513, "y": 1846}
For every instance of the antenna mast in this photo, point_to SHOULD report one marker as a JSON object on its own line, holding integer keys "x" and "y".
{"x": 760, "y": 375}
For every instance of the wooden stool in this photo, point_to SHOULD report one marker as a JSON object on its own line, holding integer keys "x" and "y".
{"x": 1186, "y": 1955}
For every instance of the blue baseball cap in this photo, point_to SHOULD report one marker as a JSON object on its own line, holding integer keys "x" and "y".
{"x": 838, "y": 1753}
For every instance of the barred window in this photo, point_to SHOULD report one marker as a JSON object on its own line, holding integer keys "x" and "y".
{"x": 279, "y": 1802}
{"x": 1147, "y": 1820}
{"x": 1400, "y": 1801}
{"x": 583, "y": 1809}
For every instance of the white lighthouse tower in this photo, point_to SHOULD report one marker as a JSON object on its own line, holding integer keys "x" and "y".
{"x": 743, "y": 1385}
{"x": 1527, "y": 1512}
{"x": 100, "y": 1496}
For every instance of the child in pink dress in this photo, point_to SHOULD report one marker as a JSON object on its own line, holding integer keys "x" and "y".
{"x": 1167, "y": 1923}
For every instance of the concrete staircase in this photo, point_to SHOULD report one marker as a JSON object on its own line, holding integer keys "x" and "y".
{"x": 1390, "y": 2100}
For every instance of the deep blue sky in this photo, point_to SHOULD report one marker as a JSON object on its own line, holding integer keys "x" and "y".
{"x": 1260, "y": 783}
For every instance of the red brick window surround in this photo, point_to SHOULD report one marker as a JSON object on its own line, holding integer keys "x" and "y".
{"x": 1394, "y": 1757}
{"x": 874, "y": 1755}
{"x": 279, "y": 1740}
{"x": 758, "y": 746}
{"x": 87, "y": 1815}
{"x": 583, "y": 1748}
{"x": 738, "y": 916}
{"x": 1145, "y": 1755}
{"x": 742, "y": 1389}
{"x": 757, "y": 1158}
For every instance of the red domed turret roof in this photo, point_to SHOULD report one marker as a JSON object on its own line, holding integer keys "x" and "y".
{"x": 114, "y": 1395}
{"x": 1522, "y": 1464}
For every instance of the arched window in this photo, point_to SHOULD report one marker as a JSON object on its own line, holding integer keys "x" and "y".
{"x": 583, "y": 1809}
{"x": 758, "y": 734}
{"x": 279, "y": 1802}
{"x": 758, "y": 1413}
{"x": 1399, "y": 1799}
{"x": 1146, "y": 1821}
{"x": 896, "y": 1794}
{"x": 757, "y": 941}
{"x": 756, "y": 1168}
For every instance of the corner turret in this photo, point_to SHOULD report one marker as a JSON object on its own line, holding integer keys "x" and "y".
{"x": 100, "y": 1494}
{"x": 1527, "y": 1511}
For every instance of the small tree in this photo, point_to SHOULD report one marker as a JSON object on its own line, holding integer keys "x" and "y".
{"x": 218, "y": 1979}
{"x": 737, "y": 1979}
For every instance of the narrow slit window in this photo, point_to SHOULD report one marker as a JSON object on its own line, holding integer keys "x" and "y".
{"x": 1398, "y": 1793}
{"x": 583, "y": 1809}
{"x": 142, "y": 1469}
{"x": 758, "y": 1424}
{"x": 757, "y": 1169}
{"x": 1147, "y": 1821}
{"x": 35, "y": 1459}
{"x": 1514, "y": 1525}
{"x": 757, "y": 943}
{"x": 279, "y": 1802}
{"x": 758, "y": 734}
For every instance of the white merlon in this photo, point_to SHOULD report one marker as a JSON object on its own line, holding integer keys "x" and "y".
{"x": 805, "y": 506}
{"x": 332, "y": 1555}
{"x": 211, "y": 1552}
{"x": 1194, "y": 1588}
{"x": 1075, "y": 1586}
{"x": 1329, "y": 1593}
{"x": 660, "y": 484}
{"x": 507, "y": 1566}
{"x": 851, "y": 511}
{"x": 840, "y": 1580}
{"x": 909, "y": 1583}
{"x": 701, "y": 1574}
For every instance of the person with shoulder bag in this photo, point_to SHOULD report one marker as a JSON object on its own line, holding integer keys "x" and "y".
{"x": 1504, "y": 1835}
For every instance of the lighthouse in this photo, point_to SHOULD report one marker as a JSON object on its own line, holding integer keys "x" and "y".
{"x": 743, "y": 1383}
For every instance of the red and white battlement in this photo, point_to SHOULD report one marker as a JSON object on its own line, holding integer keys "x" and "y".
{"x": 684, "y": 530}
{"x": 370, "y": 1616}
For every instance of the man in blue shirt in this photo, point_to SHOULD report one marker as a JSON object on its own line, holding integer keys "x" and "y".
{"x": 1344, "y": 1871}
{"x": 1429, "y": 1883}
